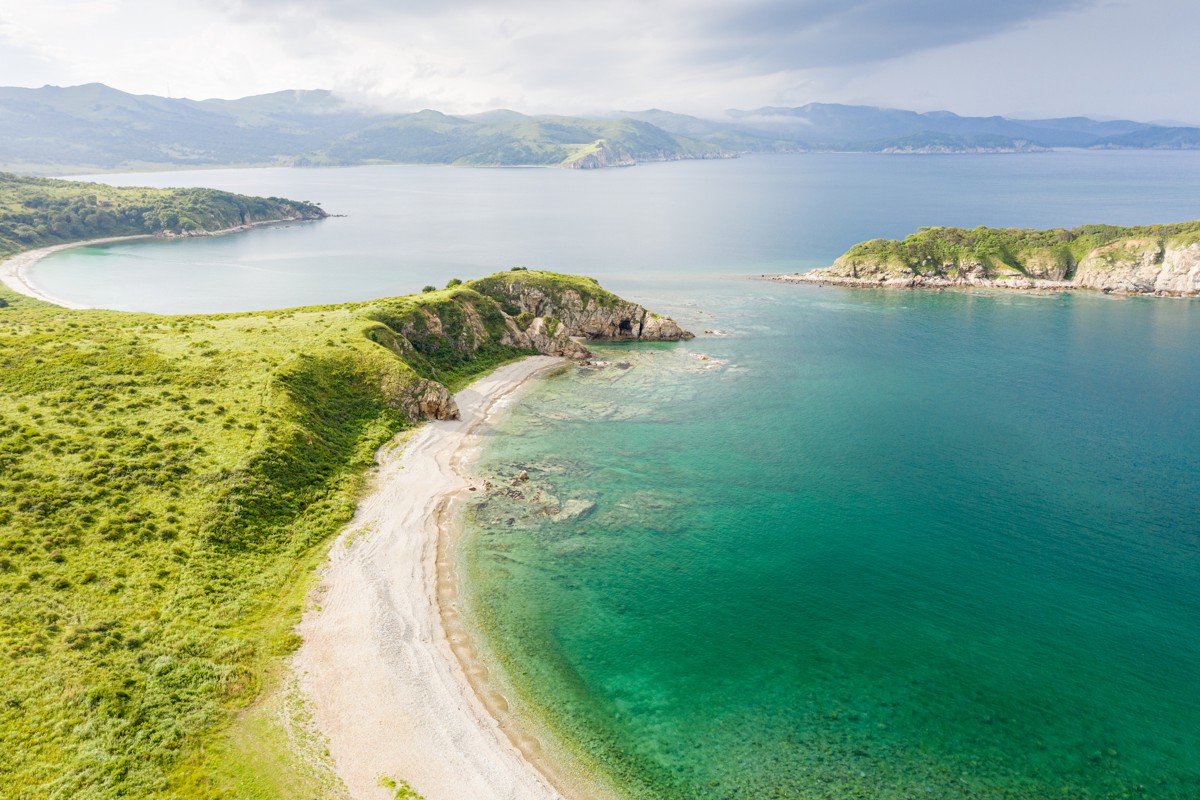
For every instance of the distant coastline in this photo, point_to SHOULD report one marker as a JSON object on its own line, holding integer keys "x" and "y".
{"x": 324, "y": 129}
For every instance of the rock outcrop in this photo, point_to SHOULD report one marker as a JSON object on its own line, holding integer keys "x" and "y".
{"x": 1160, "y": 260}
{"x": 579, "y": 305}
{"x": 663, "y": 329}
{"x": 1142, "y": 267}
{"x": 547, "y": 338}
{"x": 434, "y": 401}
{"x": 438, "y": 335}
{"x": 602, "y": 156}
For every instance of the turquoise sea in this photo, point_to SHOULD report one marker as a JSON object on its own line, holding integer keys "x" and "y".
{"x": 865, "y": 544}
{"x": 878, "y": 545}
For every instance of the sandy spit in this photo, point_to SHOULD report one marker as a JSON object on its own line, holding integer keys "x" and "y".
{"x": 386, "y": 680}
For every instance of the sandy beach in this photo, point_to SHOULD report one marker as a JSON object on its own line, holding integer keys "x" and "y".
{"x": 14, "y": 270}
{"x": 391, "y": 678}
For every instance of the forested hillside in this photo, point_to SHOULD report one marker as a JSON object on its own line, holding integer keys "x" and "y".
{"x": 37, "y": 212}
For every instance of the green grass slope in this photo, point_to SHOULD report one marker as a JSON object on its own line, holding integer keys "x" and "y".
{"x": 37, "y": 212}
{"x": 167, "y": 484}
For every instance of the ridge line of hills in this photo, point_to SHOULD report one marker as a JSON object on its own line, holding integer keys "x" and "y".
{"x": 60, "y": 130}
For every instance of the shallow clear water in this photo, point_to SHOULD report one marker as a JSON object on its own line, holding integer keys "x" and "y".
{"x": 877, "y": 544}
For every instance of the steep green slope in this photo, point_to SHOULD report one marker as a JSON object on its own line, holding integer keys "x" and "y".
{"x": 1148, "y": 259}
{"x": 166, "y": 486}
{"x": 36, "y": 212}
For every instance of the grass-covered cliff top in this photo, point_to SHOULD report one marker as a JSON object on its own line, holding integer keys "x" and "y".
{"x": 551, "y": 284}
{"x": 1016, "y": 249}
{"x": 38, "y": 212}
{"x": 166, "y": 486}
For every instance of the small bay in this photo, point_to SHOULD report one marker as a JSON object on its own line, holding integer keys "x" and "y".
{"x": 881, "y": 544}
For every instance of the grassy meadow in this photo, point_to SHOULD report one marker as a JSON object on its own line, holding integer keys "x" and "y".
{"x": 167, "y": 488}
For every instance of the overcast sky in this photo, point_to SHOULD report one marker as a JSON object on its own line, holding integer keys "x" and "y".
{"x": 1104, "y": 58}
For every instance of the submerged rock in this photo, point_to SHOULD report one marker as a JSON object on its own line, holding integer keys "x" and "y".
{"x": 574, "y": 509}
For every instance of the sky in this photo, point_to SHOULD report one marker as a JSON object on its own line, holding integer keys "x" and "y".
{"x": 1025, "y": 58}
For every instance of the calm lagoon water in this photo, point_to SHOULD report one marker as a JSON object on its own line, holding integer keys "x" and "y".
{"x": 866, "y": 545}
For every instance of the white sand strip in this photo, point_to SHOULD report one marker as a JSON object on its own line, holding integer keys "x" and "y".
{"x": 387, "y": 689}
{"x": 14, "y": 272}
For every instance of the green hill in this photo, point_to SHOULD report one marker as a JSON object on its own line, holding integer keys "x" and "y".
{"x": 167, "y": 486}
{"x": 94, "y": 127}
{"x": 38, "y": 212}
{"x": 57, "y": 130}
{"x": 1147, "y": 259}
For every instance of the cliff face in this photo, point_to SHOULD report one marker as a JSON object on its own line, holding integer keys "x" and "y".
{"x": 602, "y": 156}
{"x": 282, "y": 211}
{"x": 442, "y": 336}
{"x": 1162, "y": 260}
{"x": 583, "y": 308}
{"x": 1142, "y": 267}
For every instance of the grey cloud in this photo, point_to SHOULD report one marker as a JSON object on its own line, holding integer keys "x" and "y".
{"x": 805, "y": 34}
{"x": 531, "y": 49}
{"x": 754, "y": 36}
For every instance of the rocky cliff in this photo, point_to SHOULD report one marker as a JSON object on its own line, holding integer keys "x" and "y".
{"x": 579, "y": 304}
{"x": 440, "y": 337}
{"x": 600, "y": 156}
{"x": 1161, "y": 260}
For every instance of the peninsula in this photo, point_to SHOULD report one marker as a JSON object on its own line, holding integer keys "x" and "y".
{"x": 43, "y": 212}
{"x": 41, "y": 215}
{"x": 169, "y": 486}
{"x": 1159, "y": 260}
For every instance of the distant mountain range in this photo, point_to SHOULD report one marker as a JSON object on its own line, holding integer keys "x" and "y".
{"x": 56, "y": 130}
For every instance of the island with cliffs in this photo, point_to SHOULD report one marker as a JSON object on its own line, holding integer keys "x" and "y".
{"x": 1158, "y": 260}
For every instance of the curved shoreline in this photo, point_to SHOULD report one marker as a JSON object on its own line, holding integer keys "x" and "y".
{"x": 14, "y": 270}
{"x": 394, "y": 685}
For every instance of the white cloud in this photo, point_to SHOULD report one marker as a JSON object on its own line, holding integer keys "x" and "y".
{"x": 1119, "y": 60}
{"x": 697, "y": 56}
